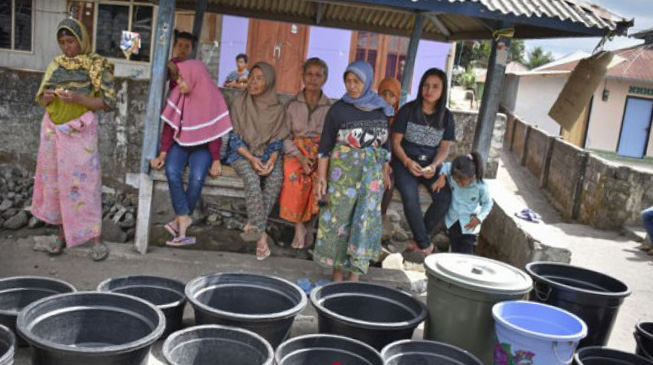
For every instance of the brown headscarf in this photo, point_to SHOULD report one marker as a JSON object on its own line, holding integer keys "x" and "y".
{"x": 392, "y": 84}
{"x": 259, "y": 120}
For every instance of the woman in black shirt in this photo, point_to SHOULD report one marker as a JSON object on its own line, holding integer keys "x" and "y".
{"x": 423, "y": 132}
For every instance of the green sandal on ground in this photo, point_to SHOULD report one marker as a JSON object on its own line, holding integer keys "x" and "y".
{"x": 99, "y": 252}
{"x": 56, "y": 247}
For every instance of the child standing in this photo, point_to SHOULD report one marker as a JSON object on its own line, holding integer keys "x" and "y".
{"x": 470, "y": 201}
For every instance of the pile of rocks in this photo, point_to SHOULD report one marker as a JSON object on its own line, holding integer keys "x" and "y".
{"x": 119, "y": 216}
{"x": 16, "y": 199}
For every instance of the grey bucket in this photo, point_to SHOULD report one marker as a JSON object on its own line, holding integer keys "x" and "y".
{"x": 18, "y": 292}
{"x": 217, "y": 345}
{"x": 597, "y": 355}
{"x": 7, "y": 346}
{"x": 326, "y": 350}
{"x": 411, "y": 352}
{"x": 372, "y": 313}
{"x": 167, "y": 294}
{"x": 90, "y": 328}
{"x": 265, "y": 305}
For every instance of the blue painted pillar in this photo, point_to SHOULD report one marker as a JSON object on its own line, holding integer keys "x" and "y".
{"x": 409, "y": 67}
{"x": 492, "y": 93}
{"x": 197, "y": 24}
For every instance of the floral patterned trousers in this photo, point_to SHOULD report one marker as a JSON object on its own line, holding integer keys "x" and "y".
{"x": 350, "y": 226}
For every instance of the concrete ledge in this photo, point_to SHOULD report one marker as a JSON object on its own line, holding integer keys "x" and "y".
{"x": 507, "y": 238}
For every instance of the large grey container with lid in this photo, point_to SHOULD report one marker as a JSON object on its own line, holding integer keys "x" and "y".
{"x": 461, "y": 292}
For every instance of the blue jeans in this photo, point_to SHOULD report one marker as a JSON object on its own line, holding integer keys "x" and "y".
{"x": 407, "y": 184}
{"x": 647, "y": 219}
{"x": 199, "y": 160}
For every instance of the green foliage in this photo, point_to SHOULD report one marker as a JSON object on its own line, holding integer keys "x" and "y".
{"x": 466, "y": 79}
{"x": 477, "y": 53}
{"x": 537, "y": 57}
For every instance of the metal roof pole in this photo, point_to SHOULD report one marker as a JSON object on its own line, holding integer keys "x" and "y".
{"x": 492, "y": 93}
{"x": 409, "y": 66}
{"x": 197, "y": 24}
{"x": 158, "y": 75}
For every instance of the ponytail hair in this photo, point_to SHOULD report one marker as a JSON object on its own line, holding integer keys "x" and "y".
{"x": 466, "y": 166}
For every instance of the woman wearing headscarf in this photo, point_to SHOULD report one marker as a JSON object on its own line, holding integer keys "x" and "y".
{"x": 305, "y": 115}
{"x": 389, "y": 90}
{"x": 195, "y": 117}
{"x": 67, "y": 186}
{"x": 354, "y": 149}
{"x": 254, "y": 147}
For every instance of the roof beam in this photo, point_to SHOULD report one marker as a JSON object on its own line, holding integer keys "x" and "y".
{"x": 319, "y": 12}
{"x": 438, "y": 23}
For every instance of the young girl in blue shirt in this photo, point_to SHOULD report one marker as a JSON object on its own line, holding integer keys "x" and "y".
{"x": 470, "y": 200}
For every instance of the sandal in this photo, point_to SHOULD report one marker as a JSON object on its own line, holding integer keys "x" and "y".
{"x": 263, "y": 254}
{"x": 181, "y": 241}
{"x": 99, "y": 252}
{"x": 172, "y": 228}
{"x": 56, "y": 247}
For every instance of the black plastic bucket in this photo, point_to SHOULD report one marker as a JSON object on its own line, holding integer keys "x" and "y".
{"x": 326, "y": 350}
{"x": 374, "y": 314}
{"x": 644, "y": 339}
{"x": 7, "y": 346}
{"x": 597, "y": 355}
{"x": 90, "y": 328}
{"x": 18, "y": 292}
{"x": 217, "y": 345}
{"x": 262, "y": 304}
{"x": 411, "y": 352}
{"x": 167, "y": 294}
{"x": 592, "y": 296}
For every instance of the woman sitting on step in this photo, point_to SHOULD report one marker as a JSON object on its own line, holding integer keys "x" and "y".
{"x": 195, "y": 117}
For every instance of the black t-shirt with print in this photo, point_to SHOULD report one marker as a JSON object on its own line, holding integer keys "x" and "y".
{"x": 348, "y": 125}
{"x": 421, "y": 136}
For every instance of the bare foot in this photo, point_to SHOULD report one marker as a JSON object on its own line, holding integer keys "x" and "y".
{"x": 183, "y": 222}
{"x": 247, "y": 227}
{"x": 262, "y": 248}
{"x": 300, "y": 237}
{"x": 337, "y": 275}
{"x": 354, "y": 277}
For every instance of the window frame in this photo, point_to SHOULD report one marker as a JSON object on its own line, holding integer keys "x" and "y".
{"x": 130, "y": 4}
{"x": 13, "y": 31}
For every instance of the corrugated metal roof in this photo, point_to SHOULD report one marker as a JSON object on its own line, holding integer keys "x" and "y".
{"x": 445, "y": 19}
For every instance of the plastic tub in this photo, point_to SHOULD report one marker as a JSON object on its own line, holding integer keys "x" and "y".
{"x": 7, "y": 346}
{"x": 597, "y": 355}
{"x": 412, "y": 352}
{"x": 592, "y": 296}
{"x": 374, "y": 314}
{"x": 90, "y": 328}
{"x": 262, "y": 304}
{"x": 326, "y": 350}
{"x": 644, "y": 338}
{"x": 217, "y": 345}
{"x": 167, "y": 294}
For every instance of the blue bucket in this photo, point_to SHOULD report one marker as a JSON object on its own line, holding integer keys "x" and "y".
{"x": 534, "y": 333}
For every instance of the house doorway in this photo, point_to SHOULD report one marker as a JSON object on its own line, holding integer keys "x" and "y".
{"x": 283, "y": 45}
{"x": 635, "y": 127}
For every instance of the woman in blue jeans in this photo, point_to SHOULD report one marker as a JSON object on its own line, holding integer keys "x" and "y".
{"x": 195, "y": 142}
{"x": 647, "y": 219}
{"x": 423, "y": 132}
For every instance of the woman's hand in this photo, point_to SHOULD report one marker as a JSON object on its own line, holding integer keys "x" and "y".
{"x": 216, "y": 169}
{"x": 429, "y": 171}
{"x": 69, "y": 97}
{"x": 269, "y": 166}
{"x": 473, "y": 223}
{"x": 257, "y": 165}
{"x": 183, "y": 86}
{"x": 307, "y": 164}
{"x": 321, "y": 189}
{"x": 387, "y": 181}
{"x": 439, "y": 184}
{"x": 47, "y": 97}
{"x": 413, "y": 167}
{"x": 157, "y": 163}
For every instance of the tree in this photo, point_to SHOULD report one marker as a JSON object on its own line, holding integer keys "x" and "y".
{"x": 477, "y": 53}
{"x": 537, "y": 58}
{"x": 517, "y": 50}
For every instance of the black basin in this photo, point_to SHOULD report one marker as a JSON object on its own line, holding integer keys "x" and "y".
{"x": 166, "y": 294}
{"x": 411, "y": 352}
{"x": 374, "y": 314}
{"x": 7, "y": 346}
{"x": 597, "y": 355}
{"x": 326, "y": 350}
{"x": 217, "y": 345}
{"x": 91, "y": 328}
{"x": 18, "y": 292}
{"x": 262, "y": 304}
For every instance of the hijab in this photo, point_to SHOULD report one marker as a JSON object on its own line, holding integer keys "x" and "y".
{"x": 200, "y": 116}
{"x": 393, "y": 85}
{"x": 96, "y": 75}
{"x": 259, "y": 120}
{"x": 369, "y": 100}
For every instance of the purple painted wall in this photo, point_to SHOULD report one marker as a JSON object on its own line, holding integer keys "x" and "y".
{"x": 429, "y": 54}
{"x": 233, "y": 42}
{"x": 332, "y": 45}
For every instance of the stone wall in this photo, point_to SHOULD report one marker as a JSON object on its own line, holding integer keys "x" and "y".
{"x": 121, "y": 130}
{"x": 581, "y": 185}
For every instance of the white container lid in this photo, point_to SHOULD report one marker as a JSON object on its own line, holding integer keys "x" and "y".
{"x": 478, "y": 273}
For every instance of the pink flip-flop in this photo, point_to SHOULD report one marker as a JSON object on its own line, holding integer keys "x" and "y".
{"x": 181, "y": 241}
{"x": 171, "y": 227}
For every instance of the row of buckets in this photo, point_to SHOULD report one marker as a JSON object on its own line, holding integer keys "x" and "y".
{"x": 475, "y": 314}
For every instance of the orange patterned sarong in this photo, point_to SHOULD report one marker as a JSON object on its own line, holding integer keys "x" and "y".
{"x": 297, "y": 201}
